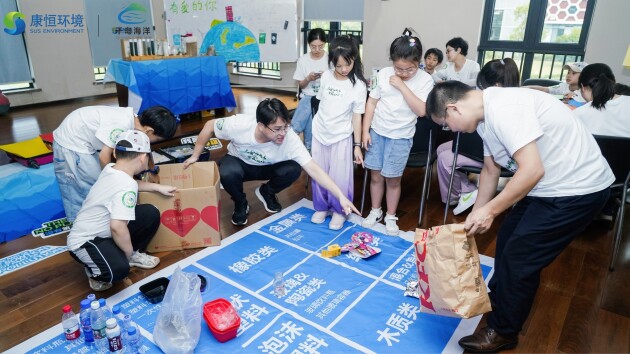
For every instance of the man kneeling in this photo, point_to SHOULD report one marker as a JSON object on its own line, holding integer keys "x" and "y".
{"x": 110, "y": 229}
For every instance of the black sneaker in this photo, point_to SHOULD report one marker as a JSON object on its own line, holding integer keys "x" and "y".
{"x": 241, "y": 210}
{"x": 268, "y": 199}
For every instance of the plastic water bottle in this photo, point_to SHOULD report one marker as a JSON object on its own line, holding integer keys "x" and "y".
{"x": 86, "y": 326}
{"x": 97, "y": 319}
{"x": 278, "y": 285}
{"x": 106, "y": 310}
{"x": 114, "y": 338}
{"x": 70, "y": 323}
{"x": 91, "y": 297}
{"x": 133, "y": 344}
{"x": 119, "y": 316}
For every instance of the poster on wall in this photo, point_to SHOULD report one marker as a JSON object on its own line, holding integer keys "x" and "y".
{"x": 241, "y": 31}
{"x": 110, "y": 21}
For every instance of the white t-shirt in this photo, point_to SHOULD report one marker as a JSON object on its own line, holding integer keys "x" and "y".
{"x": 339, "y": 99}
{"x": 612, "y": 120}
{"x": 393, "y": 117}
{"x": 240, "y": 130}
{"x": 573, "y": 163}
{"x": 563, "y": 88}
{"x": 307, "y": 65}
{"x": 113, "y": 196}
{"x": 468, "y": 73}
{"x": 87, "y": 129}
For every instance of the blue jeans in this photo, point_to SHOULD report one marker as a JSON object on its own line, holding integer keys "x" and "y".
{"x": 76, "y": 173}
{"x": 303, "y": 120}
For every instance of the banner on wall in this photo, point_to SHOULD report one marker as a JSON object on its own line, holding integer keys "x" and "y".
{"x": 110, "y": 21}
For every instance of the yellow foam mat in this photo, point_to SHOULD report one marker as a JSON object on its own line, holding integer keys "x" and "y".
{"x": 27, "y": 149}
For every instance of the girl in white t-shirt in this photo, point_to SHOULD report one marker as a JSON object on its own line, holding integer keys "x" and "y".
{"x": 389, "y": 125}
{"x": 310, "y": 67}
{"x": 459, "y": 68}
{"x": 342, "y": 96}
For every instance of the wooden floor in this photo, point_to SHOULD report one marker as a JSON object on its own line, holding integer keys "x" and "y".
{"x": 581, "y": 307}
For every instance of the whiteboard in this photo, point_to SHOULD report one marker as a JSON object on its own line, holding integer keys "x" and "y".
{"x": 241, "y": 30}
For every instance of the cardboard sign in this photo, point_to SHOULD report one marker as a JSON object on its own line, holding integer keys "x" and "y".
{"x": 190, "y": 219}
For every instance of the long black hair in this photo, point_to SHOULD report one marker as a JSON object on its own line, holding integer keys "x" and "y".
{"x": 601, "y": 80}
{"x": 347, "y": 47}
{"x": 502, "y": 72}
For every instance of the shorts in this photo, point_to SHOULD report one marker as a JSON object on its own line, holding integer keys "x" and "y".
{"x": 387, "y": 155}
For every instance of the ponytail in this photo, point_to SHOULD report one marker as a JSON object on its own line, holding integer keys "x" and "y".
{"x": 600, "y": 79}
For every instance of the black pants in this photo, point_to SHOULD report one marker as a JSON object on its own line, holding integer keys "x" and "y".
{"x": 104, "y": 260}
{"x": 533, "y": 234}
{"x": 235, "y": 171}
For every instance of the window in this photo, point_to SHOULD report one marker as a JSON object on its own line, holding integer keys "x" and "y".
{"x": 334, "y": 29}
{"x": 262, "y": 69}
{"x": 541, "y": 36}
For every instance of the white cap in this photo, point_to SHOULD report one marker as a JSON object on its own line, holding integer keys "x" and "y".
{"x": 139, "y": 141}
{"x": 576, "y": 67}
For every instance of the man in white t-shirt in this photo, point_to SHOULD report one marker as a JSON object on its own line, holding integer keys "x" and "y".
{"x": 561, "y": 182}
{"x": 110, "y": 230}
{"x": 84, "y": 142}
{"x": 262, "y": 148}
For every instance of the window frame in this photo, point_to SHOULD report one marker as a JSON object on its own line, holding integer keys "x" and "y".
{"x": 531, "y": 44}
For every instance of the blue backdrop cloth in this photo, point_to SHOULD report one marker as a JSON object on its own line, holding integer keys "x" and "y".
{"x": 332, "y": 305}
{"x": 28, "y": 198}
{"x": 183, "y": 85}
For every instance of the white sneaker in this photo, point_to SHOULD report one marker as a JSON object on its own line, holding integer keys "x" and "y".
{"x": 143, "y": 260}
{"x": 465, "y": 201}
{"x": 336, "y": 222}
{"x": 319, "y": 217}
{"x": 97, "y": 285}
{"x": 375, "y": 216}
{"x": 390, "y": 225}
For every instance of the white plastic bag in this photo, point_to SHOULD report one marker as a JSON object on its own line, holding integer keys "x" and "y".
{"x": 178, "y": 325}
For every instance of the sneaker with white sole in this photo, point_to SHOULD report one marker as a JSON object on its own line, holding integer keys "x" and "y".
{"x": 269, "y": 199}
{"x": 96, "y": 285}
{"x": 373, "y": 217}
{"x": 465, "y": 201}
{"x": 319, "y": 217}
{"x": 143, "y": 260}
{"x": 336, "y": 222}
{"x": 391, "y": 228}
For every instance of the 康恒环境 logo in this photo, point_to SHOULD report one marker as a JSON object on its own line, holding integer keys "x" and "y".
{"x": 14, "y": 23}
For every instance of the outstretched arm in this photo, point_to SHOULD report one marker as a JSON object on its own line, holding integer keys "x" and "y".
{"x": 206, "y": 133}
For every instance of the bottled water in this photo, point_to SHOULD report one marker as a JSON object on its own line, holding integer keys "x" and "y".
{"x": 133, "y": 345}
{"x": 106, "y": 310}
{"x": 114, "y": 338}
{"x": 86, "y": 326}
{"x": 97, "y": 319}
{"x": 119, "y": 316}
{"x": 278, "y": 285}
{"x": 70, "y": 323}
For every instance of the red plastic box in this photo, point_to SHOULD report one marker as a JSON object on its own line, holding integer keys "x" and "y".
{"x": 220, "y": 306}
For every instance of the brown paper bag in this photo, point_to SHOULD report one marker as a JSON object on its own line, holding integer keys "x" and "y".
{"x": 449, "y": 273}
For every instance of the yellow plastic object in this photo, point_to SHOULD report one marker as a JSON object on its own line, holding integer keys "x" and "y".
{"x": 27, "y": 149}
{"x": 332, "y": 251}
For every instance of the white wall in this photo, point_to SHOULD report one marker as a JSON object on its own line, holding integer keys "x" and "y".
{"x": 609, "y": 37}
{"x": 63, "y": 67}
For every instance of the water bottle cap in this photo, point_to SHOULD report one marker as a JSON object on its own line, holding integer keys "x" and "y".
{"x": 66, "y": 309}
{"x": 111, "y": 323}
{"x": 116, "y": 309}
{"x": 101, "y": 302}
{"x": 85, "y": 303}
{"x": 95, "y": 305}
{"x": 131, "y": 331}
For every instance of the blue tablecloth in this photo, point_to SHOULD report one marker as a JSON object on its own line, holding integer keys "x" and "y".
{"x": 184, "y": 85}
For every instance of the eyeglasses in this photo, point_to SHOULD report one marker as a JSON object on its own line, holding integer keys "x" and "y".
{"x": 316, "y": 47}
{"x": 280, "y": 130}
{"x": 444, "y": 126}
{"x": 405, "y": 71}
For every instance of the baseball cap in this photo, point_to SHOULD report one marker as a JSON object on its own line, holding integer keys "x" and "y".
{"x": 139, "y": 141}
{"x": 576, "y": 67}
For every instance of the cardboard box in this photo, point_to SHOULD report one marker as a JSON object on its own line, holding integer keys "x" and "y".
{"x": 190, "y": 219}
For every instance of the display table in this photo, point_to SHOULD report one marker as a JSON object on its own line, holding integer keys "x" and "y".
{"x": 183, "y": 85}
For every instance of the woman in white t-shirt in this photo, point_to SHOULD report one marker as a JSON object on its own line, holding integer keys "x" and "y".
{"x": 606, "y": 112}
{"x": 342, "y": 96}
{"x": 389, "y": 125}
{"x": 459, "y": 68}
{"x": 310, "y": 67}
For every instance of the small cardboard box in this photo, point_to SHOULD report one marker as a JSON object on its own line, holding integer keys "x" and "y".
{"x": 190, "y": 219}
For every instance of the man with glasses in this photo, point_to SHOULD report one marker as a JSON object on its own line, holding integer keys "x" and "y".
{"x": 561, "y": 182}
{"x": 262, "y": 148}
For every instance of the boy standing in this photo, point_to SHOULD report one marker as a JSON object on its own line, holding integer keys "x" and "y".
{"x": 84, "y": 142}
{"x": 110, "y": 229}
{"x": 561, "y": 181}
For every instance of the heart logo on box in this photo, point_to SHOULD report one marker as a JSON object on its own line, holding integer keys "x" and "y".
{"x": 180, "y": 222}
{"x": 210, "y": 215}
